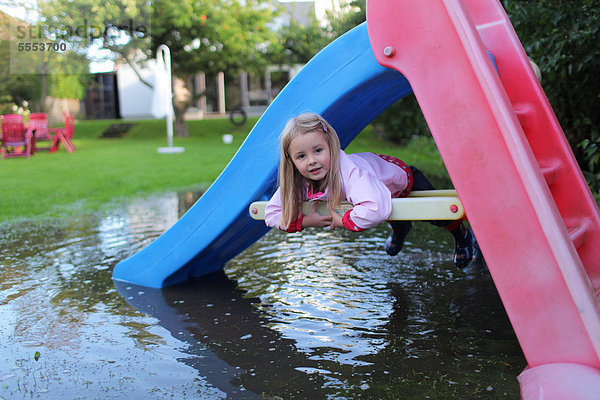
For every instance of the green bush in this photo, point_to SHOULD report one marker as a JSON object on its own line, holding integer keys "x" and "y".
{"x": 401, "y": 121}
{"x": 591, "y": 154}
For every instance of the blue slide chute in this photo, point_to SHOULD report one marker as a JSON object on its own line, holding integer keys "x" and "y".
{"x": 345, "y": 84}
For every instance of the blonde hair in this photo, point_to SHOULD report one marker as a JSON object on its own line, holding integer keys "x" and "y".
{"x": 291, "y": 182}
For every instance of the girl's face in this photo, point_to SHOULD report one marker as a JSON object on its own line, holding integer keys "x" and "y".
{"x": 310, "y": 154}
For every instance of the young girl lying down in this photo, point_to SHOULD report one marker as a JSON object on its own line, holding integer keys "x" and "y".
{"x": 313, "y": 167}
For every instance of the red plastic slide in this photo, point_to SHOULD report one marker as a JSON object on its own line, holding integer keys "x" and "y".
{"x": 533, "y": 214}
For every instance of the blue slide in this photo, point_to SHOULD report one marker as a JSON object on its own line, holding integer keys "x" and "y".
{"x": 345, "y": 84}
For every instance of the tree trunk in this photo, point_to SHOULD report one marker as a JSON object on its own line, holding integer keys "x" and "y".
{"x": 181, "y": 102}
{"x": 181, "y": 128}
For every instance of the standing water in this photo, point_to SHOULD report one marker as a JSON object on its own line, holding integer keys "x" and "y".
{"x": 317, "y": 315}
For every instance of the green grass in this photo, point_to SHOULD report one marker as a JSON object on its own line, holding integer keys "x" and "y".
{"x": 106, "y": 171}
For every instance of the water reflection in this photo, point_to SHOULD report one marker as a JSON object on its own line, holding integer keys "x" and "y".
{"x": 314, "y": 315}
{"x": 322, "y": 294}
{"x": 66, "y": 332}
{"x": 212, "y": 313}
{"x": 403, "y": 325}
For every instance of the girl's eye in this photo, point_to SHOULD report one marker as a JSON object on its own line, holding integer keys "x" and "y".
{"x": 300, "y": 156}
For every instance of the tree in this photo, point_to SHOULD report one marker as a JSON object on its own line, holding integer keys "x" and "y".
{"x": 211, "y": 36}
{"x": 349, "y": 17}
{"x": 16, "y": 89}
{"x": 297, "y": 43}
{"x": 203, "y": 35}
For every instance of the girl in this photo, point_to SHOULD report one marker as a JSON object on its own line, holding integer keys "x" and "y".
{"x": 313, "y": 167}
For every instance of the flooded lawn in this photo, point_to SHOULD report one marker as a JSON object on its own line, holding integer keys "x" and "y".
{"x": 317, "y": 315}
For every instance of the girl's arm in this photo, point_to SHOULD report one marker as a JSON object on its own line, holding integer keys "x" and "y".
{"x": 315, "y": 219}
{"x": 336, "y": 220}
{"x": 273, "y": 217}
{"x": 273, "y": 211}
{"x": 372, "y": 201}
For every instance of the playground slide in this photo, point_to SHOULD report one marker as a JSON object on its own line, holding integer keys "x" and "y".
{"x": 534, "y": 216}
{"x": 532, "y": 212}
{"x": 345, "y": 84}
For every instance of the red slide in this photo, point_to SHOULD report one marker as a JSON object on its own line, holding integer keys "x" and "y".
{"x": 533, "y": 214}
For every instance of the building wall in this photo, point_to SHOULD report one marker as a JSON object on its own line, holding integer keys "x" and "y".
{"x": 135, "y": 98}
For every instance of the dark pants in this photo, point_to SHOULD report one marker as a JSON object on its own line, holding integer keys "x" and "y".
{"x": 420, "y": 182}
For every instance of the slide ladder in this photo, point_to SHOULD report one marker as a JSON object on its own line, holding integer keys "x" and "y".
{"x": 534, "y": 216}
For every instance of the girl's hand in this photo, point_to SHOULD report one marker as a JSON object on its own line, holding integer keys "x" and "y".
{"x": 336, "y": 219}
{"x": 315, "y": 219}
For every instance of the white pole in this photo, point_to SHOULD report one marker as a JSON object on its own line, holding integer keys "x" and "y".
{"x": 163, "y": 54}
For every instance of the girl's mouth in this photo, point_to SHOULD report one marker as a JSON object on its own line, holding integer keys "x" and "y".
{"x": 315, "y": 171}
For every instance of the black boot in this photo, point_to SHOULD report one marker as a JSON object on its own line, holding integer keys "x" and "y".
{"x": 466, "y": 249}
{"x": 395, "y": 241}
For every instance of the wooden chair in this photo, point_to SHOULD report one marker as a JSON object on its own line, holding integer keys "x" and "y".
{"x": 38, "y": 123}
{"x": 16, "y": 139}
{"x": 64, "y": 135}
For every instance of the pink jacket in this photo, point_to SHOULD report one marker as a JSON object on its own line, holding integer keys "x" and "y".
{"x": 369, "y": 182}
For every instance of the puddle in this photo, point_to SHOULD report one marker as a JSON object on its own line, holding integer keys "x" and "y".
{"x": 314, "y": 315}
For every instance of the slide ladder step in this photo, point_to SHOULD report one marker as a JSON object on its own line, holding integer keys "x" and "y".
{"x": 577, "y": 230}
{"x": 426, "y": 205}
{"x": 550, "y": 168}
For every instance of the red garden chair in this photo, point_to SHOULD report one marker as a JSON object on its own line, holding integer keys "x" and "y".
{"x": 64, "y": 135}
{"x": 16, "y": 140}
{"x": 38, "y": 123}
